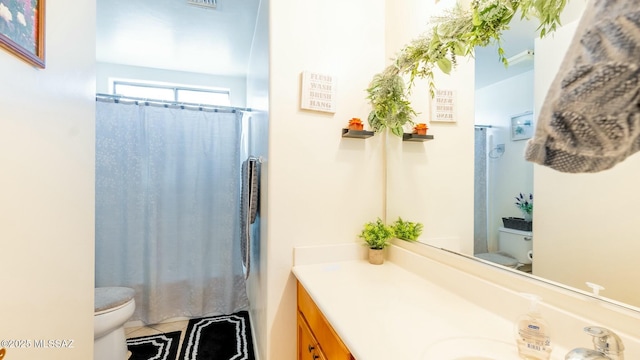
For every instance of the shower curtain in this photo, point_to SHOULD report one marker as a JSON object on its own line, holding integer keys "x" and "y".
{"x": 480, "y": 225}
{"x": 167, "y": 205}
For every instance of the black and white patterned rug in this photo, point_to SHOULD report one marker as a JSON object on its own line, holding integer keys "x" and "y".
{"x": 224, "y": 337}
{"x": 156, "y": 347}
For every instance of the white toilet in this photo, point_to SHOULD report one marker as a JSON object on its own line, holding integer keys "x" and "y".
{"x": 514, "y": 248}
{"x": 113, "y": 307}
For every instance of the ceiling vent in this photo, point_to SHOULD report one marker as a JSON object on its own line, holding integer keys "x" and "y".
{"x": 204, "y": 3}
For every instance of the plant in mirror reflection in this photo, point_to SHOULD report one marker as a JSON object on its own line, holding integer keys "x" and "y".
{"x": 407, "y": 230}
{"x": 525, "y": 203}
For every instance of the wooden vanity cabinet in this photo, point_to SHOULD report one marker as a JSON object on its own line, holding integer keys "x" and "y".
{"x": 316, "y": 338}
{"x": 307, "y": 345}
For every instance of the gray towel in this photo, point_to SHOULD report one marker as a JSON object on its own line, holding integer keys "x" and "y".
{"x": 590, "y": 119}
{"x": 248, "y": 208}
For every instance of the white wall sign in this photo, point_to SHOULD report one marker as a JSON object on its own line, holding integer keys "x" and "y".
{"x": 318, "y": 92}
{"x": 444, "y": 106}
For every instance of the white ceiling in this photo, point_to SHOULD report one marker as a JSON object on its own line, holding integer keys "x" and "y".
{"x": 520, "y": 37}
{"x": 173, "y": 35}
{"x": 170, "y": 34}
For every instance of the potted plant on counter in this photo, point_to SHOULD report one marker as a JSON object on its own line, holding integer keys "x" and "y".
{"x": 377, "y": 235}
{"x": 407, "y": 230}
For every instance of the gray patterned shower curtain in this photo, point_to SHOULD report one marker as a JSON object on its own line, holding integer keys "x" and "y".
{"x": 167, "y": 205}
{"x": 480, "y": 220}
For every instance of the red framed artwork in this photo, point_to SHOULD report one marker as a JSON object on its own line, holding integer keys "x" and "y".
{"x": 22, "y": 29}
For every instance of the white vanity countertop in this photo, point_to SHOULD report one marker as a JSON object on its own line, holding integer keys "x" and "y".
{"x": 384, "y": 312}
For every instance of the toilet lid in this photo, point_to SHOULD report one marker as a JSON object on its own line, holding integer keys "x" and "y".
{"x": 111, "y": 297}
{"x": 498, "y": 259}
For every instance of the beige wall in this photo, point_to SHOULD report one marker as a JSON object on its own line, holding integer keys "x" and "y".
{"x": 432, "y": 182}
{"x": 47, "y": 188}
{"x": 321, "y": 188}
{"x": 585, "y": 225}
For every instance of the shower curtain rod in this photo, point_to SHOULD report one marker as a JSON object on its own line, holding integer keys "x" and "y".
{"x": 483, "y": 126}
{"x": 166, "y": 104}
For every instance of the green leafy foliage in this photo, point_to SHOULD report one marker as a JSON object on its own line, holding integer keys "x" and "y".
{"x": 456, "y": 33}
{"x": 407, "y": 230}
{"x": 376, "y": 234}
{"x": 391, "y": 108}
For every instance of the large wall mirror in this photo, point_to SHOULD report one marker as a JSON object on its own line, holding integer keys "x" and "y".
{"x": 586, "y": 227}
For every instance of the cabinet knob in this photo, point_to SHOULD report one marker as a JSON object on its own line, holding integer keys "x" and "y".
{"x": 316, "y": 356}
{"x": 310, "y": 348}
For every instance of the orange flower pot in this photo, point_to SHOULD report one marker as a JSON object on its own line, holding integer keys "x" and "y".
{"x": 420, "y": 129}
{"x": 356, "y": 124}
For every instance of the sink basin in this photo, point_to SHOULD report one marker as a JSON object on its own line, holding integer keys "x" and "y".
{"x": 471, "y": 348}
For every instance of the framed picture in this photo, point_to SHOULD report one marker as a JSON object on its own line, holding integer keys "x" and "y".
{"x": 443, "y": 106}
{"x": 318, "y": 92}
{"x": 522, "y": 126}
{"x": 22, "y": 29}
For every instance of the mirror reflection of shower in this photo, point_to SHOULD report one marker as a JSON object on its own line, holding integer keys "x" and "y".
{"x": 502, "y": 93}
{"x": 489, "y": 146}
{"x": 501, "y": 172}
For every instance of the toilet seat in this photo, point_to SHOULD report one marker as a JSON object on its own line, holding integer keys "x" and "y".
{"x": 108, "y": 299}
{"x": 113, "y": 306}
{"x": 499, "y": 259}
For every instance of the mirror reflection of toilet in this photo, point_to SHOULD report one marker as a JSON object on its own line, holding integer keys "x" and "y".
{"x": 515, "y": 249}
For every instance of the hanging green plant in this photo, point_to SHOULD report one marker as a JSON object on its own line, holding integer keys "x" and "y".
{"x": 456, "y": 33}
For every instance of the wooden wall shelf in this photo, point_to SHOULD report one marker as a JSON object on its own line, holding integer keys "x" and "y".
{"x": 360, "y": 134}
{"x": 416, "y": 137}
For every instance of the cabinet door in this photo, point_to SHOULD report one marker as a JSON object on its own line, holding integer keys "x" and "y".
{"x": 332, "y": 346}
{"x": 307, "y": 345}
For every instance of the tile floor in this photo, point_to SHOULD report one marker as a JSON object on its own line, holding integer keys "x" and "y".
{"x": 132, "y": 332}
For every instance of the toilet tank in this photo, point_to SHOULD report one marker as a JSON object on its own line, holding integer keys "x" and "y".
{"x": 516, "y": 243}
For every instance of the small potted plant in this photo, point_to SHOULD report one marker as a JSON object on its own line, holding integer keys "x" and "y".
{"x": 355, "y": 124}
{"x": 407, "y": 230}
{"x": 420, "y": 129}
{"x": 377, "y": 235}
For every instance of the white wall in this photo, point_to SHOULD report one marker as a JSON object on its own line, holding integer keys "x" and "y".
{"x": 585, "y": 225}
{"x": 106, "y": 71}
{"x": 432, "y": 182}
{"x": 509, "y": 173}
{"x": 321, "y": 188}
{"x": 47, "y": 188}
{"x": 258, "y": 135}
